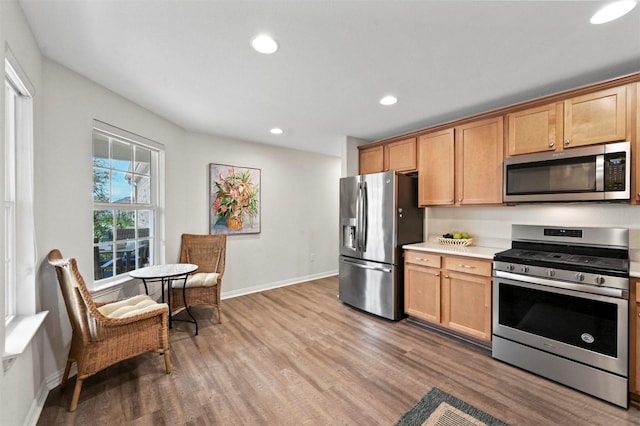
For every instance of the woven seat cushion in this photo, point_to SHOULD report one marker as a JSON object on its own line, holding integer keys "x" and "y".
{"x": 201, "y": 279}
{"x": 130, "y": 307}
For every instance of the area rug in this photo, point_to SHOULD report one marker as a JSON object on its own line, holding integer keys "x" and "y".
{"x": 438, "y": 408}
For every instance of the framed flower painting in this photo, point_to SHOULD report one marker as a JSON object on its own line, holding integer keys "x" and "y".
{"x": 234, "y": 201}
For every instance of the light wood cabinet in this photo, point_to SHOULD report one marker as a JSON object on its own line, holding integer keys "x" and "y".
{"x": 399, "y": 156}
{"x": 635, "y": 148}
{"x": 479, "y": 156}
{"x": 452, "y": 292}
{"x": 436, "y": 167}
{"x": 462, "y": 165}
{"x": 590, "y": 119}
{"x": 634, "y": 341}
{"x": 535, "y": 130}
{"x": 595, "y": 118}
{"x": 371, "y": 160}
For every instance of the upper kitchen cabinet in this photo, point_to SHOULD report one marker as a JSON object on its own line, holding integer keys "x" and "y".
{"x": 461, "y": 165}
{"x": 535, "y": 130}
{"x": 399, "y": 156}
{"x": 371, "y": 160}
{"x": 595, "y": 118}
{"x": 479, "y": 155}
{"x": 436, "y": 165}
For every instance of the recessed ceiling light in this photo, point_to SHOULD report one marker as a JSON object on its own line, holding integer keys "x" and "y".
{"x": 276, "y": 131}
{"x": 388, "y": 100}
{"x": 264, "y": 44}
{"x": 613, "y": 11}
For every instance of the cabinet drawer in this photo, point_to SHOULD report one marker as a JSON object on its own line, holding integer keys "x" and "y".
{"x": 637, "y": 291}
{"x": 467, "y": 265}
{"x": 422, "y": 258}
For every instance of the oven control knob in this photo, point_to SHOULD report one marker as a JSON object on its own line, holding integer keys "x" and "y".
{"x": 551, "y": 272}
{"x": 524, "y": 268}
{"x": 580, "y": 276}
{"x": 511, "y": 267}
{"x": 599, "y": 279}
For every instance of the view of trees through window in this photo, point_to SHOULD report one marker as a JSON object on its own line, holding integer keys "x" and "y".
{"x": 124, "y": 209}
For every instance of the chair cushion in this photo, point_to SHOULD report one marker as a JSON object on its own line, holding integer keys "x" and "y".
{"x": 129, "y": 307}
{"x": 201, "y": 279}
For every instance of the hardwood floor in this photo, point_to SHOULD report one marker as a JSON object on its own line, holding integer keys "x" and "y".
{"x": 296, "y": 355}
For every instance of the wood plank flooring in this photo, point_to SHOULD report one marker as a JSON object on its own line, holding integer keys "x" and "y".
{"x": 297, "y": 356}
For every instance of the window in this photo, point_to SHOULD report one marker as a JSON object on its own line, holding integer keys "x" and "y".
{"x": 18, "y": 233}
{"x": 125, "y": 201}
{"x": 11, "y": 100}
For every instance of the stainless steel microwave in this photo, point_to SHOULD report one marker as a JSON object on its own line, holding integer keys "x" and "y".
{"x": 592, "y": 173}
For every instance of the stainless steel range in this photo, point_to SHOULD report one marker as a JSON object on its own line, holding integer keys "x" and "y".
{"x": 561, "y": 307}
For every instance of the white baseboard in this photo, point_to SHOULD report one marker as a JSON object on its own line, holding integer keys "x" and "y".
{"x": 270, "y": 286}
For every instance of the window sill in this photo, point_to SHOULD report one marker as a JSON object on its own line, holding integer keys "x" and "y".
{"x": 20, "y": 332}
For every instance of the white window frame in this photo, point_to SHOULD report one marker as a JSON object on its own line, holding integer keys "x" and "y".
{"x": 156, "y": 251}
{"x": 18, "y": 250}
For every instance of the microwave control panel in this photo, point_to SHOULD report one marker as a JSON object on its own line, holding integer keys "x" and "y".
{"x": 614, "y": 172}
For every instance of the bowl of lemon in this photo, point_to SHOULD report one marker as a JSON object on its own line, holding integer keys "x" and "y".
{"x": 456, "y": 238}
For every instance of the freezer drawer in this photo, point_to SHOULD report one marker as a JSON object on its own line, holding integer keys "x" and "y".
{"x": 370, "y": 286}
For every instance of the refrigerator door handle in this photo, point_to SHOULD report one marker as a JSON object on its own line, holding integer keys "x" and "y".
{"x": 360, "y": 265}
{"x": 359, "y": 218}
{"x": 365, "y": 212}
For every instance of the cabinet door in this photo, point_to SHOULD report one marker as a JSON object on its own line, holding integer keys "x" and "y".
{"x": 634, "y": 342}
{"x": 595, "y": 118}
{"x": 400, "y": 156}
{"x": 466, "y": 304}
{"x": 422, "y": 292}
{"x": 635, "y": 152}
{"x": 479, "y": 155}
{"x": 436, "y": 166}
{"x": 371, "y": 160}
{"x": 535, "y": 130}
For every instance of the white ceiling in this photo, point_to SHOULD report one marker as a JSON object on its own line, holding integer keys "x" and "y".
{"x": 191, "y": 62}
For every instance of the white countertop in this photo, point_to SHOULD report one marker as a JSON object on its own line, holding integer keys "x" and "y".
{"x": 469, "y": 251}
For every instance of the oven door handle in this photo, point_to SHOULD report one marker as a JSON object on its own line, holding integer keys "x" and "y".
{"x": 585, "y": 288}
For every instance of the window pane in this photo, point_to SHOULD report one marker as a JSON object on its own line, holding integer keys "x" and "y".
{"x": 101, "y": 187}
{"x": 121, "y": 188}
{"x": 125, "y": 225}
{"x": 103, "y": 261}
{"x": 121, "y": 156}
{"x": 102, "y": 226}
{"x": 100, "y": 150}
{"x": 143, "y": 161}
{"x": 144, "y": 223}
{"x": 142, "y": 190}
{"x": 143, "y": 254}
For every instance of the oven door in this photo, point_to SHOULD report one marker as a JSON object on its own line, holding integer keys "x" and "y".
{"x": 588, "y": 328}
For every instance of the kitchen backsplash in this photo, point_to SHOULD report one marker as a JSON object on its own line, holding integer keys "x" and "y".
{"x": 491, "y": 226}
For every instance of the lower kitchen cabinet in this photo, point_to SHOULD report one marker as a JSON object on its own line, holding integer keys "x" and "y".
{"x": 452, "y": 292}
{"x": 634, "y": 341}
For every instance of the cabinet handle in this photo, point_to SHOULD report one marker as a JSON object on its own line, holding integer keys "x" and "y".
{"x": 459, "y": 200}
{"x": 567, "y": 142}
{"x": 552, "y": 144}
{"x": 422, "y": 259}
{"x": 462, "y": 265}
{"x": 451, "y": 201}
{"x": 437, "y": 275}
{"x": 446, "y": 276}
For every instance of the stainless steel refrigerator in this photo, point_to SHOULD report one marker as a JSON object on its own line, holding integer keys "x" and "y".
{"x": 378, "y": 214}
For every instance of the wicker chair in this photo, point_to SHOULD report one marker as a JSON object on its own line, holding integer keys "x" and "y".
{"x": 203, "y": 287}
{"x": 107, "y": 333}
